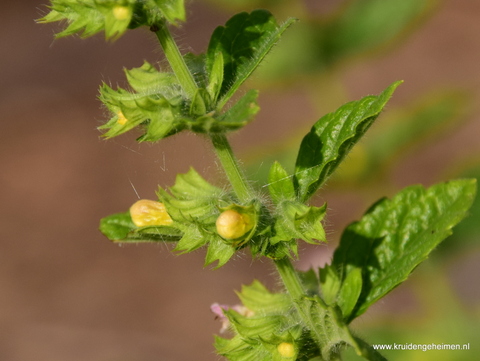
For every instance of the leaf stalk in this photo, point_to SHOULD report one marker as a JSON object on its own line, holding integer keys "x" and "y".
{"x": 175, "y": 58}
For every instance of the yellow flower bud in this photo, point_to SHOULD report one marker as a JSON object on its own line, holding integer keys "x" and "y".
{"x": 149, "y": 213}
{"x": 121, "y": 118}
{"x": 286, "y": 349}
{"x": 232, "y": 224}
{"x": 121, "y": 12}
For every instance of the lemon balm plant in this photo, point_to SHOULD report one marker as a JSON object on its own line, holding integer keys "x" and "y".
{"x": 310, "y": 319}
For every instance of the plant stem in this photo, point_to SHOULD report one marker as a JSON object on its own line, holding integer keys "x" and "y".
{"x": 290, "y": 278}
{"x": 175, "y": 58}
{"x": 230, "y": 166}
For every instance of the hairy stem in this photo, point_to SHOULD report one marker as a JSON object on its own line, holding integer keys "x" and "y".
{"x": 290, "y": 278}
{"x": 230, "y": 166}
{"x": 175, "y": 59}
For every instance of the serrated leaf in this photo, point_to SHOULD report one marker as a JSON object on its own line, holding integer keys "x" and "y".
{"x": 280, "y": 184}
{"x": 120, "y": 228}
{"x": 331, "y": 138}
{"x": 244, "y": 41}
{"x": 395, "y": 235}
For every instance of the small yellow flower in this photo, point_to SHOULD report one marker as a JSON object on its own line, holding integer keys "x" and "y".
{"x": 149, "y": 213}
{"x": 121, "y": 118}
{"x": 121, "y": 12}
{"x": 286, "y": 349}
{"x": 232, "y": 224}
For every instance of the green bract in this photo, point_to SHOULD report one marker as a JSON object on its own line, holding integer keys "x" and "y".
{"x": 89, "y": 17}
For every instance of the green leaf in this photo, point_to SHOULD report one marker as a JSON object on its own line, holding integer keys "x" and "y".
{"x": 401, "y": 133}
{"x": 280, "y": 184}
{"x": 331, "y": 138}
{"x": 244, "y": 41}
{"x": 395, "y": 235}
{"x": 330, "y": 284}
{"x": 120, "y": 228}
{"x": 350, "y": 291}
{"x": 346, "y": 295}
{"x": 240, "y": 114}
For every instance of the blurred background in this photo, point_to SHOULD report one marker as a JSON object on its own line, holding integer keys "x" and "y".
{"x": 67, "y": 293}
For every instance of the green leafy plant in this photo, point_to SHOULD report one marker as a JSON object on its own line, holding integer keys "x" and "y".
{"x": 310, "y": 319}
